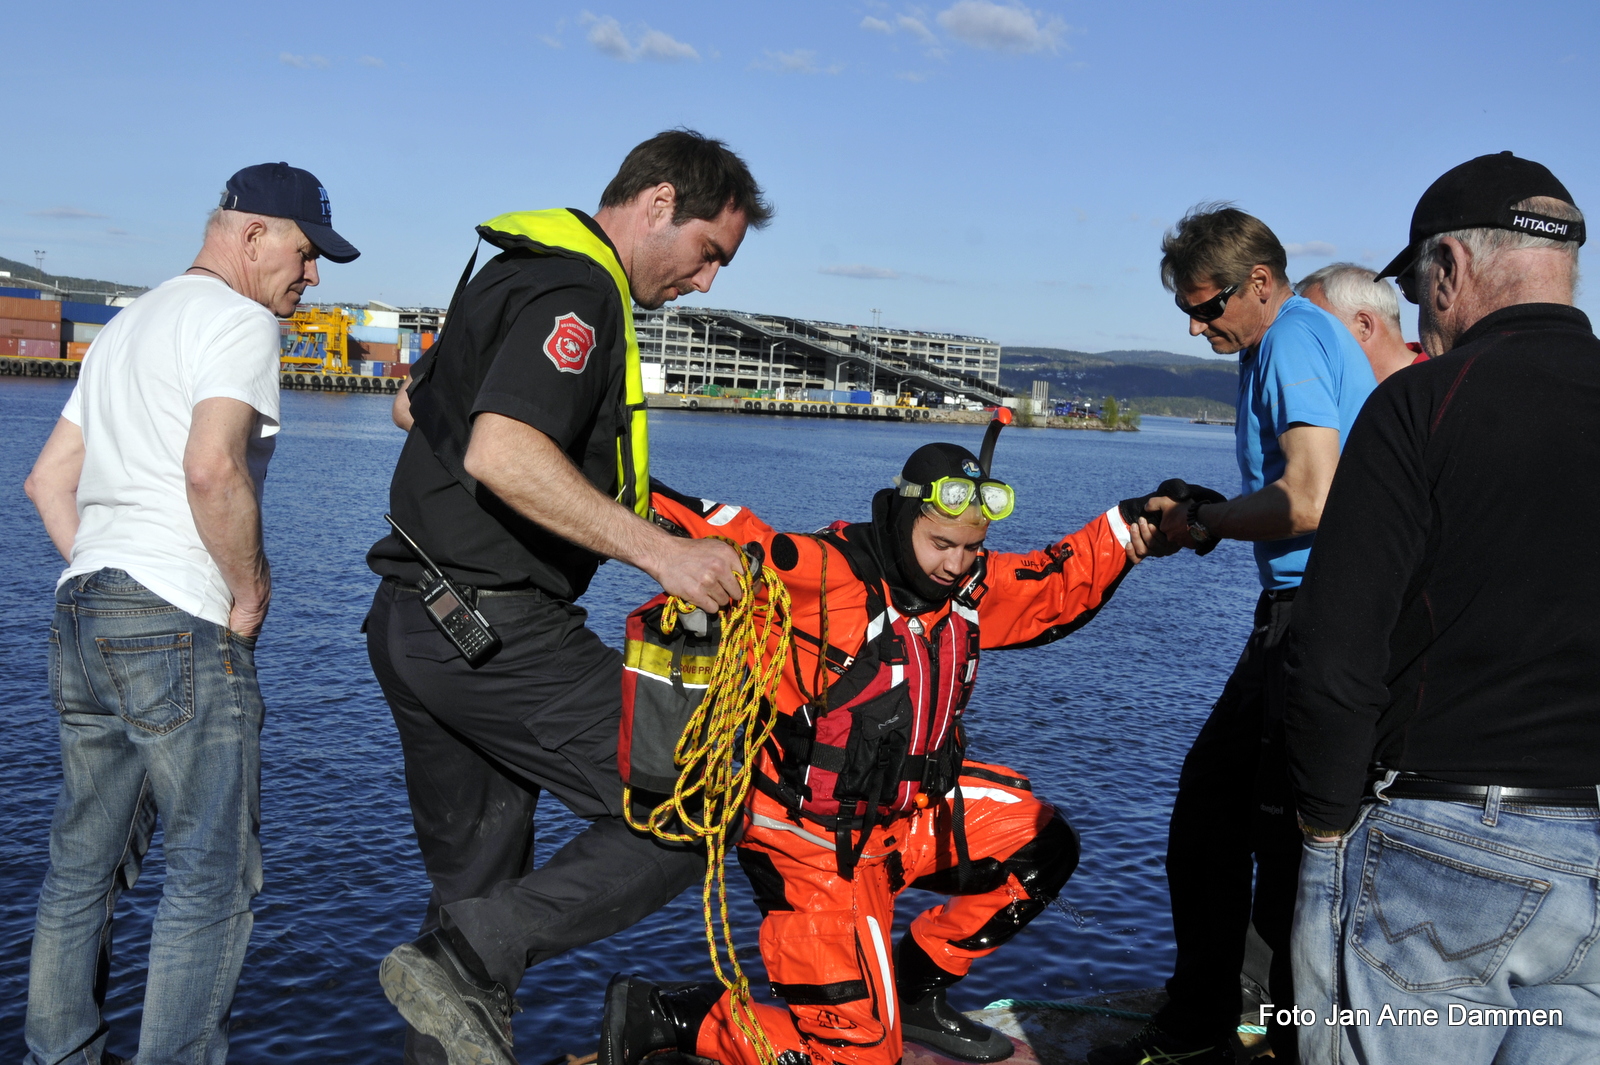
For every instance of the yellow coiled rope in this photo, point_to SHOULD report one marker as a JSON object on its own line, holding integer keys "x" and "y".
{"x": 716, "y": 758}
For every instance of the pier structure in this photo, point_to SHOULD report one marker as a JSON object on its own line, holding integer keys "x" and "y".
{"x": 686, "y": 349}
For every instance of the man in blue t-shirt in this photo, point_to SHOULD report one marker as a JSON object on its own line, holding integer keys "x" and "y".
{"x": 1233, "y": 849}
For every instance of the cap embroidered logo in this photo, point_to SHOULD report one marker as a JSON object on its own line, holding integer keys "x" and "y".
{"x": 570, "y": 343}
{"x": 971, "y": 469}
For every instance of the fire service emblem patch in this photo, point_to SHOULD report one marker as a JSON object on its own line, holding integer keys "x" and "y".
{"x": 570, "y": 343}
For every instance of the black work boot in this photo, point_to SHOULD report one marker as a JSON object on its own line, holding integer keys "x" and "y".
{"x": 1154, "y": 1045}
{"x": 927, "y": 1018}
{"x": 641, "y": 1018}
{"x": 440, "y": 988}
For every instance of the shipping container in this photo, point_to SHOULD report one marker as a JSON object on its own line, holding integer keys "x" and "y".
{"x": 860, "y": 396}
{"x": 20, "y": 293}
{"x": 33, "y": 330}
{"x": 33, "y": 310}
{"x": 427, "y": 341}
{"x": 95, "y": 313}
{"x": 376, "y": 334}
{"x": 26, "y": 348}
{"x": 360, "y": 349}
{"x": 77, "y": 350}
{"x": 373, "y": 319}
{"x": 74, "y": 332}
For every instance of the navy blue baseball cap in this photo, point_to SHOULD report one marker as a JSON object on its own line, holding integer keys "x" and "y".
{"x": 283, "y": 191}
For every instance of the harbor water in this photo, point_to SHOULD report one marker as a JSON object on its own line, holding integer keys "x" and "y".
{"x": 1100, "y": 720}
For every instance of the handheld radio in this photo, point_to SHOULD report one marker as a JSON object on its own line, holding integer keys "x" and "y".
{"x": 448, "y": 609}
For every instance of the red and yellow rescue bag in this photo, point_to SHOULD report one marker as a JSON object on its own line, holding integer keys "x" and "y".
{"x": 664, "y": 680}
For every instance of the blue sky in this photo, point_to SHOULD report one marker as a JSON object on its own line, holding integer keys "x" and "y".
{"x": 993, "y": 168}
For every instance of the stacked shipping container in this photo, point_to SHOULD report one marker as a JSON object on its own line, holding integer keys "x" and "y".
{"x": 30, "y": 328}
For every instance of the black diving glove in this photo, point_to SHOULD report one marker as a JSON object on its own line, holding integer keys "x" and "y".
{"x": 1178, "y": 491}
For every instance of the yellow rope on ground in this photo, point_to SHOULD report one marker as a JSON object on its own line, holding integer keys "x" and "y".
{"x": 716, "y": 758}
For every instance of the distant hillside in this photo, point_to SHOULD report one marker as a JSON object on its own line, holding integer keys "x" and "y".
{"x": 71, "y": 286}
{"x": 1154, "y": 382}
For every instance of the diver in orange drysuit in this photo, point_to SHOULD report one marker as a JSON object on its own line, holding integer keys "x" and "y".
{"x": 903, "y": 604}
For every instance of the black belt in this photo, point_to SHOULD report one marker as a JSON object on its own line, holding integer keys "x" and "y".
{"x": 473, "y": 593}
{"x": 1447, "y": 791}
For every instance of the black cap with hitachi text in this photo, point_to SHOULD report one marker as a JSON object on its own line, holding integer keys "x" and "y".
{"x": 1481, "y": 194}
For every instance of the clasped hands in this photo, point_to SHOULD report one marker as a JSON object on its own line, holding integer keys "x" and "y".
{"x": 1158, "y": 523}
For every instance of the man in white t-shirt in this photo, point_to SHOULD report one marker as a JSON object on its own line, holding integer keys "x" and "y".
{"x": 150, "y": 487}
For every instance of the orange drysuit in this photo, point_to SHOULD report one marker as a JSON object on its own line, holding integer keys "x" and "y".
{"x": 825, "y": 933}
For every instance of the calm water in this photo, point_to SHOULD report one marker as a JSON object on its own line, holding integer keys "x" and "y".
{"x": 1100, "y": 720}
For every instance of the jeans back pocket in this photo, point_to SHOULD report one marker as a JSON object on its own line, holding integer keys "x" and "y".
{"x": 154, "y": 676}
{"x": 1431, "y": 922}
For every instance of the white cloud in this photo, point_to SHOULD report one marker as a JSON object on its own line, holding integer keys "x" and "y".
{"x": 304, "y": 62}
{"x": 912, "y": 76}
{"x": 65, "y": 212}
{"x": 860, "y": 270}
{"x": 799, "y": 61}
{"x": 1007, "y": 27}
{"x": 115, "y": 232}
{"x": 608, "y": 36}
{"x": 549, "y": 41}
{"x": 658, "y": 45}
{"x": 917, "y": 29}
{"x": 371, "y": 61}
{"x": 1310, "y": 247}
{"x": 876, "y": 25}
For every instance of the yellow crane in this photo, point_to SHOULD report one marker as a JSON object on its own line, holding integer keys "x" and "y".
{"x": 319, "y": 341}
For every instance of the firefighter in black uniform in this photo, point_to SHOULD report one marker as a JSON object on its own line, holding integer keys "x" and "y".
{"x": 525, "y": 468}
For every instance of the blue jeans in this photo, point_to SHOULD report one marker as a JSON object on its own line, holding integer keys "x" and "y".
{"x": 160, "y": 716}
{"x": 1475, "y": 912}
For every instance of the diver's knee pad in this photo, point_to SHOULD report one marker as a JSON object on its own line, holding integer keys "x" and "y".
{"x": 1041, "y": 866}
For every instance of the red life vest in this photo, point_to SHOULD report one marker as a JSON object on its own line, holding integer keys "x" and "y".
{"x": 885, "y": 738}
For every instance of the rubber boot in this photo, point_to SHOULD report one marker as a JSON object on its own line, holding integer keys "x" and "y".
{"x": 927, "y": 1018}
{"x": 642, "y": 1018}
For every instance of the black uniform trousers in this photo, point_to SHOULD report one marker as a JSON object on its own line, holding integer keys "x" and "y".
{"x": 1233, "y": 822}
{"x": 480, "y": 746}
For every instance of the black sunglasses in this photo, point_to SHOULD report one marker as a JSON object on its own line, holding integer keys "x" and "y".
{"x": 1207, "y": 310}
{"x": 1407, "y": 280}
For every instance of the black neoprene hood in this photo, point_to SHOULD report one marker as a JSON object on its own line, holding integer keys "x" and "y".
{"x": 927, "y": 464}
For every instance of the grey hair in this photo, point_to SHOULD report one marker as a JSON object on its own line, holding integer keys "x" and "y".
{"x": 221, "y": 219}
{"x": 1349, "y": 288}
{"x": 1487, "y": 245}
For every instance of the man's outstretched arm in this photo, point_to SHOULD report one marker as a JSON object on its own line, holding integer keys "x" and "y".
{"x": 1288, "y": 507}
{"x": 525, "y": 469}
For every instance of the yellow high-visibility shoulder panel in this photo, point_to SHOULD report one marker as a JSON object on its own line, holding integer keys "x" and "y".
{"x": 560, "y": 232}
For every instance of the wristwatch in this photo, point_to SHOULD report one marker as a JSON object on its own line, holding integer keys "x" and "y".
{"x": 1197, "y": 528}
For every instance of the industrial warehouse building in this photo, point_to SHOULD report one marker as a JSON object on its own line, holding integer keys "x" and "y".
{"x": 686, "y": 349}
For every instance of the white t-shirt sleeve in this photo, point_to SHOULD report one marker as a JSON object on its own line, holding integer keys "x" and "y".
{"x": 239, "y": 360}
{"x": 73, "y": 411}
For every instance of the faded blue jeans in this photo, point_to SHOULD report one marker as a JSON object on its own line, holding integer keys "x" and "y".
{"x": 160, "y": 717}
{"x": 1474, "y": 911}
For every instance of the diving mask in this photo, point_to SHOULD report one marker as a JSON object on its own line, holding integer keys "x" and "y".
{"x": 953, "y": 495}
